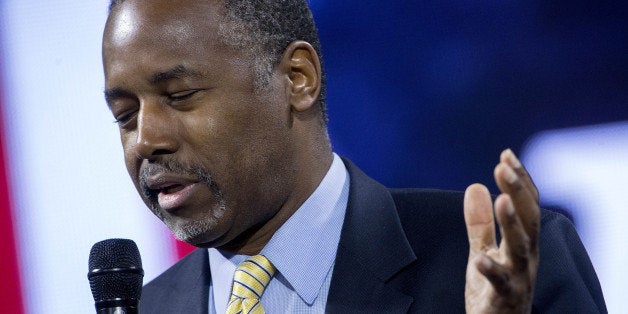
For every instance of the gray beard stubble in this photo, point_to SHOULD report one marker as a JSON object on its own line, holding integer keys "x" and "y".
{"x": 191, "y": 230}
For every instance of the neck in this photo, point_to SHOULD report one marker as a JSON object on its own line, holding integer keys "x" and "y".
{"x": 312, "y": 168}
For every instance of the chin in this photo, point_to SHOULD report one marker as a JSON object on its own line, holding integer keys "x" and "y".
{"x": 198, "y": 240}
{"x": 205, "y": 230}
{"x": 196, "y": 233}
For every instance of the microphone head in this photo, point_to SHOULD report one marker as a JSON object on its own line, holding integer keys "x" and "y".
{"x": 115, "y": 273}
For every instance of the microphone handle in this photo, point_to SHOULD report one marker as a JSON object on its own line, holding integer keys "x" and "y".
{"x": 119, "y": 310}
{"x": 118, "y": 306}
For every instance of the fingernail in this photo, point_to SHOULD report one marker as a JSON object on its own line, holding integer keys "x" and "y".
{"x": 510, "y": 175}
{"x": 514, "y": 161}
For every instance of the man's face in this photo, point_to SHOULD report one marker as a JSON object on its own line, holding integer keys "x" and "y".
{"x": 209, "y": 155}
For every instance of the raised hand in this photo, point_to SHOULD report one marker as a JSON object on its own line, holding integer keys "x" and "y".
{"x": 500, "y": 279}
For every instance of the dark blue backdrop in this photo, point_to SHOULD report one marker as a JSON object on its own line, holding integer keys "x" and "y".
{"x": 427, "y": 93}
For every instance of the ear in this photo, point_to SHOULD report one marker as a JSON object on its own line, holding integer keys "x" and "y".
{"x": 303, "y": 67}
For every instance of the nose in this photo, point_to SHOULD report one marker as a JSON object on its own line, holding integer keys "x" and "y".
{"x": 156, "y": 132}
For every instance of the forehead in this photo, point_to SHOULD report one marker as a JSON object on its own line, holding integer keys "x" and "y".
{"x": 141, "y": 30}
{"x": 162, "y": 19}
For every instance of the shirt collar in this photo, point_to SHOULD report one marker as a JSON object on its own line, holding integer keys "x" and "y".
{"x": 304, "y": 248}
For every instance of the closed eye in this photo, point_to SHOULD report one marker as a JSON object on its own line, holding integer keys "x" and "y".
{"x": 179, "y": 96}
{"x": 124, "y": 118}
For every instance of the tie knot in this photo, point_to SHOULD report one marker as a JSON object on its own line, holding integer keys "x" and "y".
{"x": 249, "y": 281}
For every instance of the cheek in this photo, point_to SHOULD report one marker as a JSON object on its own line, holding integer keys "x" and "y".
{"x": 214, "y": 133}
{"x": 130, "y": 155}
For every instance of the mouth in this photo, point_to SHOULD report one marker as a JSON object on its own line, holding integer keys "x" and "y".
{"x": 174, "y": 196}
{"x": 169, "y": 191}
{"x": 172, "y": 189}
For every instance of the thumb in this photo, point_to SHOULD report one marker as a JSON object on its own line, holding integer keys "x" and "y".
{"x": 479, "y": 218}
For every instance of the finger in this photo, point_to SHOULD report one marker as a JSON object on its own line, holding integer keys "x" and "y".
{"x": 508, "y": 157}
{"x": 479, "y": 219}
{"x": 515, "y": 241}
{"x": 495, "y": 273}
{"x": 523, "y": 195}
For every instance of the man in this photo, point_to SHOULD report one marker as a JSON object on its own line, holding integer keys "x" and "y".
{"x": 220, "y": 106}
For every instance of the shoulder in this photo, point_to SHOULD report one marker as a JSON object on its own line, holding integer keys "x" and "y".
{"x": 566, "y": 278}
{"x": 439, "y": 205}
{"x": 441, "y": 213}
{"x": 430, "y": 213}
{"x": 433, "y": 221}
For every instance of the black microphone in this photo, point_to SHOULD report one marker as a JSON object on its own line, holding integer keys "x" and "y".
{"x": 115, "y": 276}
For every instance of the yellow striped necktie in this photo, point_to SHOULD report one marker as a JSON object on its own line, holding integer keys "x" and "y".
{"x": 249, "y": 281}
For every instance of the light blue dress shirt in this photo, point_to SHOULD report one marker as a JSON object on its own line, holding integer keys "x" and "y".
{"x": 303, "y": 250}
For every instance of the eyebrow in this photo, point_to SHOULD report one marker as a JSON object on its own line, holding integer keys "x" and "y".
{"x": 176, "y": 72}
{"x": 116, "y": 93}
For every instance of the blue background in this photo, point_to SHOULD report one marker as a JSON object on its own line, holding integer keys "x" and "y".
{"x": 428, "y": 93}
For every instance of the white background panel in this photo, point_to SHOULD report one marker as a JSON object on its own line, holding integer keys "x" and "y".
{"x": 71, "y": 187}
{"x": 585, "y": 171}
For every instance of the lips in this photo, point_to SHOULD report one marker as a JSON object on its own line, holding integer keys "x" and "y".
{"x": 172, "y": 190}
{"x": 170, "y": 201}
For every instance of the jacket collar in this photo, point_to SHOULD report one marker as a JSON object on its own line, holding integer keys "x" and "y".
{"x": 372, "y": 249}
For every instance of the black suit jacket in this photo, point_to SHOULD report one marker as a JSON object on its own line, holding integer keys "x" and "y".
{"x": 405, "y": 250}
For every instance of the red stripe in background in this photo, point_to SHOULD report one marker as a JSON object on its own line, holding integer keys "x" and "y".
{"x": 10, "y": 289}
{"x": 183, "y": 248}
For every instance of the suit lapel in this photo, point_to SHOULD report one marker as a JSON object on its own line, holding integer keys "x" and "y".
{"x": 373, "y": 248}
{"x": 189, "y": 289}
{"x": 199, "y": 288}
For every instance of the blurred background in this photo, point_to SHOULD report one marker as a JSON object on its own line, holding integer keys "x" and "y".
{"x": 420, "y": 94}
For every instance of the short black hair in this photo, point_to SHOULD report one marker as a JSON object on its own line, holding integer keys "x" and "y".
{"x": 267, "y": 27}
